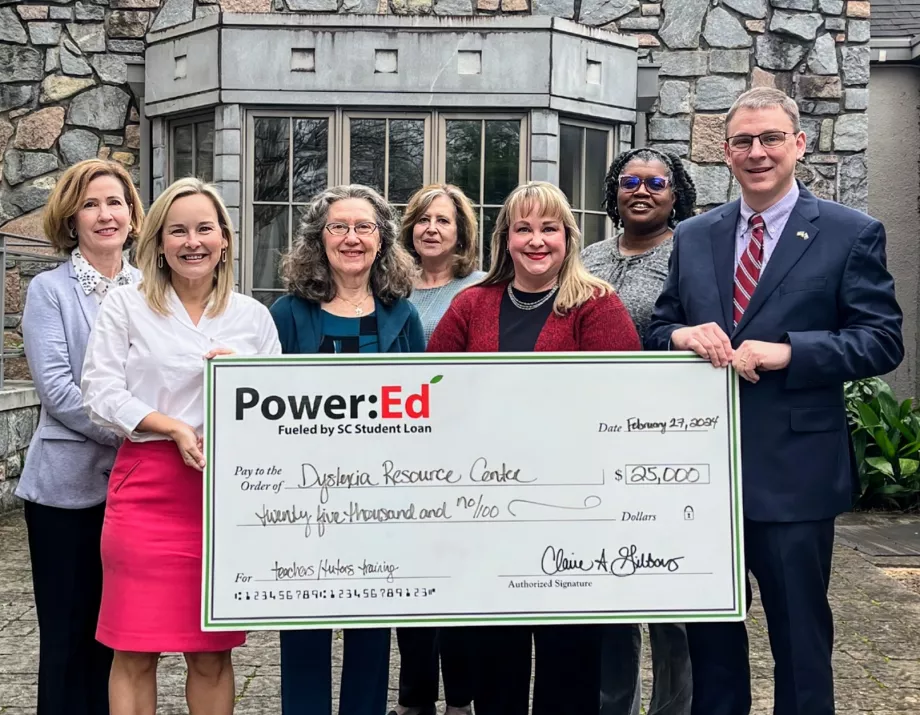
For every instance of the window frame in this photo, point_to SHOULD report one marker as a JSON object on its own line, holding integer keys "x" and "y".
{"x": 348, "y": 116}
{"x": 247, "y": 192}
{"x": 192, "y": 120}
{"x": 523, "y": 158}
{"x": 434, "y": 166}
{"x": 615, "y": 142}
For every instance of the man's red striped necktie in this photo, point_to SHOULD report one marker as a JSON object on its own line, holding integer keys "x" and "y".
{"x": 748, "y": 272}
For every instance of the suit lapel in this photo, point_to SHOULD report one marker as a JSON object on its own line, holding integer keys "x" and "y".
{"x": 789, "y": 249}
{"x": 88, "y": 303}
{"x": 723, "y": 258}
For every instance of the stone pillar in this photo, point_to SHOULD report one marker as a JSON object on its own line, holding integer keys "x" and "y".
{"x": 228, "y": 169}
{"x": 544, "y": 145}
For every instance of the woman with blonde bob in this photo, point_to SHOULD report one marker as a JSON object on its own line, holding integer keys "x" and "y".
{"x": 94, "y": 212}
{"x": 439, "y": 230}
{"x": 143, "y": 378}
{"x": 536, "y": 297}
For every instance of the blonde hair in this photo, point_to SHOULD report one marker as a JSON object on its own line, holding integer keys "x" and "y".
{"x": 156, "y": 279}
{"x": 466, "y": 252}
{"x": 766, "y": 98}
{"x": 67, "y": 198}
{"x": 576, "y": 285}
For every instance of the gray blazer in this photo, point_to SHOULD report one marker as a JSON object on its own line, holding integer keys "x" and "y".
{"x": 70, "y": 458}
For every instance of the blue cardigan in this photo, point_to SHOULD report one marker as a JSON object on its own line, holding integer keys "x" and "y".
{"x": 300, "y": 326}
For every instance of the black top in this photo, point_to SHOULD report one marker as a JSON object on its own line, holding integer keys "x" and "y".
{"x": 349, "y": 335}
{"x": 518, "y": 329}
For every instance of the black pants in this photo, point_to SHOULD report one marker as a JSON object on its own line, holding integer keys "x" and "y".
{"x": 419, "y": 650}
{"x": 566, "y": 677}
{"x": 73, "y": 668}
{"x": 792, "y": 565}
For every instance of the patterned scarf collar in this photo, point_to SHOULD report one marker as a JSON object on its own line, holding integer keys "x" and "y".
{"x": 92, "y": 281}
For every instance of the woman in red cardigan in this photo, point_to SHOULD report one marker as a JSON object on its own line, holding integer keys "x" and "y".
{"x": 536, "y": 297}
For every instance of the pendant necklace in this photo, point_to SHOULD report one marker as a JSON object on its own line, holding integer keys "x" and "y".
{"x": 359, "y": 311}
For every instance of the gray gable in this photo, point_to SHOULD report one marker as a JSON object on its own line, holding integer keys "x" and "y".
{"x": 895, "y": 18}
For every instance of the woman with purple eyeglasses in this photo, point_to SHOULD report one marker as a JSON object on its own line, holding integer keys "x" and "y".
{"x": 647, "y": 193}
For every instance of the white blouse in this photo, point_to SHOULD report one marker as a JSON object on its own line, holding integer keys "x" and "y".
{"x": 138, "y": 361}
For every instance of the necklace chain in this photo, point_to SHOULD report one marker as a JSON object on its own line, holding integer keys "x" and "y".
{"x": 521, "y": 305}
{"x": 359, "y": 311}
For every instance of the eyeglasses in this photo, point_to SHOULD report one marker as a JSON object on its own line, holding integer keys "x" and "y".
{"x": 655, "y": 184}
{"x": 768, "y": 140}
{"x": 365, "y": 228}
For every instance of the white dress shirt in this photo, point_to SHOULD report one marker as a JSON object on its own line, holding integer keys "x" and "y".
{"x": 139, "y": 362}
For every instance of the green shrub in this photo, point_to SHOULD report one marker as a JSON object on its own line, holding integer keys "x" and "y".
{"x": 886, "y": 439}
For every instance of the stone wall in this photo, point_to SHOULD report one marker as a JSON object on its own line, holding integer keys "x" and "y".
{"x": 64, "y": 93}
{"x": 19, "y": 410}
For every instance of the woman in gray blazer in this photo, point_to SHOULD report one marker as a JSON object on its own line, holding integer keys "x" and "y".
{"x": 91, "y": 214}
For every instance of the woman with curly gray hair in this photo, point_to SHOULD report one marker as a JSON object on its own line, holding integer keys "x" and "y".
{"x": 348, "y": 279}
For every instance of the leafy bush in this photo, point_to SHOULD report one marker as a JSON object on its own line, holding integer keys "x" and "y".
{"x": 886, "y": 439}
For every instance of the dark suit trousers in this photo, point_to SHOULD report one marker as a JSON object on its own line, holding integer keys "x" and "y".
{"x": 73, "y": 667}
{"x": 306, "y": 672}
{"x": 792, "y": 565}
{"x": 419, "y": 651}
{"x": 566, "y": 677}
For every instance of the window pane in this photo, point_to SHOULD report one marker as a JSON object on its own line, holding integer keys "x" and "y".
{"x": 270, "y": 239}
{"x": 503, "y": 152}
{"x": 266, "y": 297}
{"x": 311, "y": 157}
{"x": 570, "y": 163}
{"x": 595, "y": 227}
{"x": 464, "y": 145}
{"x": 182, "y": 152}
{"x": 407, "y": 158}
{"x": 595, "y": 168}
{"x": 204, "y": 136}
{"x": 367, "y": 152}
{"x": 270, "y": 166}
{"x": 489, "y": 216}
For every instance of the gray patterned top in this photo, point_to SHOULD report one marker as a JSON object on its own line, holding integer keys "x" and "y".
{"x": 432, "y": 303}
{"x": 638, "y": 280}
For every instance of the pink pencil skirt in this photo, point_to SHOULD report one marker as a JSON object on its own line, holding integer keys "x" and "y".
{"x": 151, "y": 555}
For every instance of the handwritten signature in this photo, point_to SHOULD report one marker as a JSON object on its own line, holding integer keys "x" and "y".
{"x": 628, "y": 562}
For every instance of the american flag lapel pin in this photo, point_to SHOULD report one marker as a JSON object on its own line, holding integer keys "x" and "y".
{"x": 803, "y": 235}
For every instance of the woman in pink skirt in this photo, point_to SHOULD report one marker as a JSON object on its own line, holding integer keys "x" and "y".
{"x": 143, "y": 376}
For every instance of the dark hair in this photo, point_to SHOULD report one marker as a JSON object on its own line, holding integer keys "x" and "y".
{"x": 681, "y": 183}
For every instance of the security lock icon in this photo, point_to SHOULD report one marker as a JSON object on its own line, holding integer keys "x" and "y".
{"x": 688, "y": 513}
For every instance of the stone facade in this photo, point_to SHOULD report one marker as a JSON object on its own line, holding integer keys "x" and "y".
{"x": 19, "y": 410}
{"x": 64, "y": 93}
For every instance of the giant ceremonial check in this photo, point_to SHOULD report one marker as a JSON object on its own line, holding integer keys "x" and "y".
{"x": 447, "y": 489}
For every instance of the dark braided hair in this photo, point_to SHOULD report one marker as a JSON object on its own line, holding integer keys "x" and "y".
{"x": 681, "y": 183}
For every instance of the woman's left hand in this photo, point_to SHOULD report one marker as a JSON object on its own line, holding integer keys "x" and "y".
{"x": 218, "y": 351}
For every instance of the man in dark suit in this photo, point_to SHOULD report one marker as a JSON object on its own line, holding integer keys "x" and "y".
{"x": 793, "y": 292}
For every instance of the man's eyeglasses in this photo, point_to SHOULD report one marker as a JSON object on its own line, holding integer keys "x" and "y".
{"x": 655, "y": 184}
{"x": 365, "y": 228}
{"x": 768, "y": 140}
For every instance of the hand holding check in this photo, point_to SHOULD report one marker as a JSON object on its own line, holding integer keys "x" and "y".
{"x": 709, "y": 341}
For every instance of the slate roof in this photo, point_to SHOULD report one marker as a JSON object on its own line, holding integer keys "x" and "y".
{"x": 895, "y": 18}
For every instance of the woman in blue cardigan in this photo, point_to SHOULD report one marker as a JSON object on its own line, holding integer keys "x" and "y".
{"x": 348, "y": 280}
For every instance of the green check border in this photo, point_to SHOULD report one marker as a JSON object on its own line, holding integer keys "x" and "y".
{"x": 736, "y": 614}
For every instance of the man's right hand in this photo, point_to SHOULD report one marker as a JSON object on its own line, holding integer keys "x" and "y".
{"x": 708, "y": 341}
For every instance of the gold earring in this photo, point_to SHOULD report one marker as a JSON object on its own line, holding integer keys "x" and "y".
{"x": 160, "y": 260}
{"x": 223, "y": 255}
